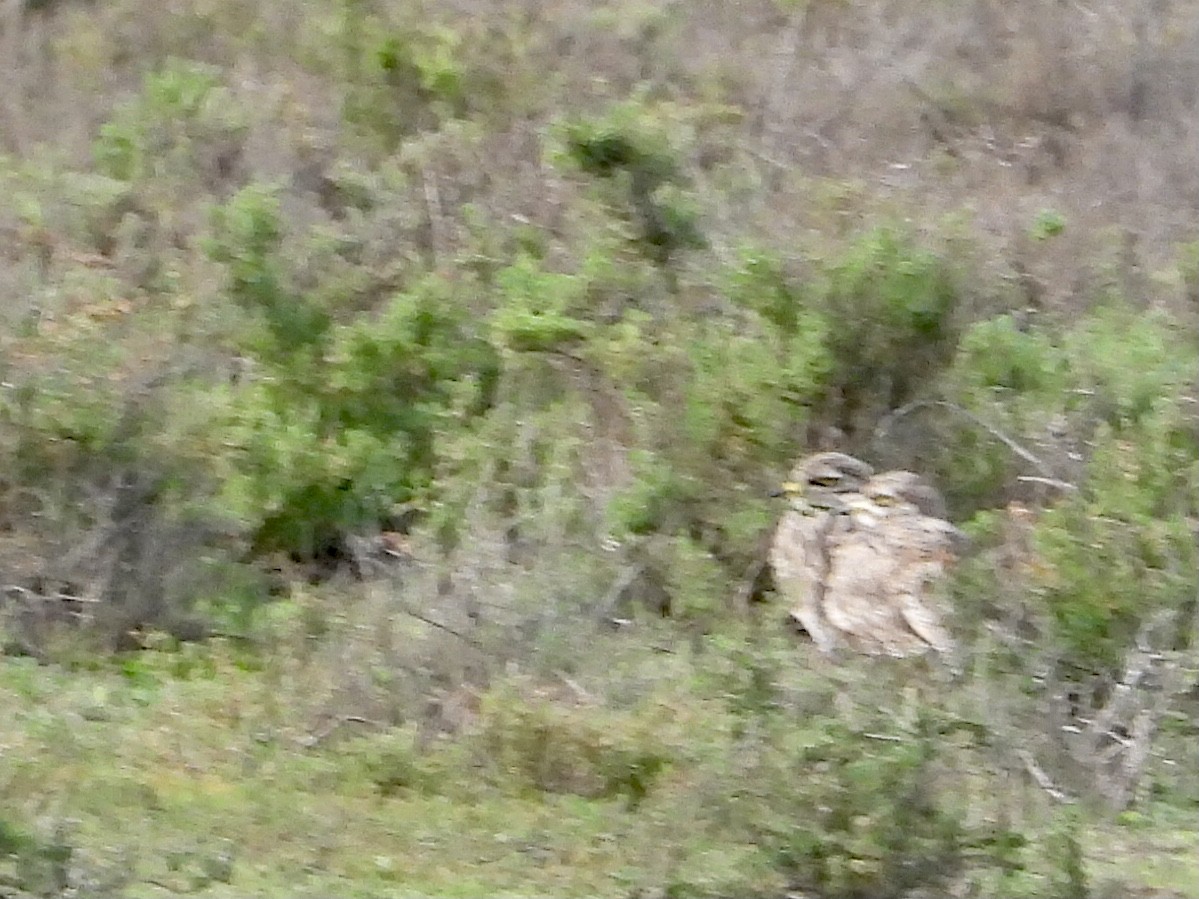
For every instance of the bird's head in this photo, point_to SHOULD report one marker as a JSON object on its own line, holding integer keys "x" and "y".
{"x": 821, "y": 482}
{"x": 904, "y": 491}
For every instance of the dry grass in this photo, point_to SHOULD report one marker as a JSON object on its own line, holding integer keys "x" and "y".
{"x": 1086, "y": 108}
{"x": 192, "y": 772}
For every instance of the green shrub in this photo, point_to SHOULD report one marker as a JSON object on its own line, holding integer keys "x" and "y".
{"x": 721, "y": 402}
{"x": 320, "y": 454}
{"x": 997, "y": 355}
{"x": 631, "y": 149}
{"x": 247, "y": 240}
{"x": 844, "y": 786}
{"x": 1123, "y": 551}
{"x": 892, "y": 310}
{"x": 1014, "y": 379}
{"x": 342, "y": 425}
{"x": 869, "y": 822}
{"x": 392, "y": 764}
{"x": 1130, "y": 362}
{"x": 183, "y": 123}
{"x": 656, "y": 493}
{"x": 535, "y": 308}
{"x": 1048, "y": 223}
{"x": 1111, "y": 569}
{"x": 534, "y": 741}
{"x": 40, "y": 865}
{"x": 1119, "y": 552}
{"x": 404, "y": 75}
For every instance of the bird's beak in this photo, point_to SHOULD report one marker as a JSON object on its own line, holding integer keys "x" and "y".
{"x": 788, "y": 488}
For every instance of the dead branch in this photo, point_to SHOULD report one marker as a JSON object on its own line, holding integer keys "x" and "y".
{"x": 606, "y": 610}
{"x": 1119, "y": 740}
{"x": 1046, "y": 482}
{"x": 435, "y": 211}
{"x": 1046, "y": 477}
{"x": 1037, "y": 773}
{"x": 361, "y": 547}
{"x": 313, "y": 740}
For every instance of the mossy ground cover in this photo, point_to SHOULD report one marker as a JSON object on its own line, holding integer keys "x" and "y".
{"x": 159, "y": 778}
{"x": 183, "y": 772}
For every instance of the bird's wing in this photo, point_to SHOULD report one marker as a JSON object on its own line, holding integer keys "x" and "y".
{"x": 880, "y": 589}
{"x": 799, "y": 562}
{"x": 857, "y": 597}
{"x": 923, "y": 548}
{"x": 925, "y": 623}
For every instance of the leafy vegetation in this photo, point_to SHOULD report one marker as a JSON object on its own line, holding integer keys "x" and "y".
{"x": 390, "y": 395}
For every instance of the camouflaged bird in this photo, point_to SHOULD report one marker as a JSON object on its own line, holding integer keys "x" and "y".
{"x": 860, "y": 557}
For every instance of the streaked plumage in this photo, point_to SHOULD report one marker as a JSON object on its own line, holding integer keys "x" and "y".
{"x": 860, "y": 557}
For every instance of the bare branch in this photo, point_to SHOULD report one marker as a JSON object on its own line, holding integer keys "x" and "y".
{"x": 606, "y": 609}
{"x": 1064, "y": 486}
{"x": 316, "y": 739}
{"x": 445, "y": 628}
{"x": 916, "y": 405}
{"x": 1037, "y": 773}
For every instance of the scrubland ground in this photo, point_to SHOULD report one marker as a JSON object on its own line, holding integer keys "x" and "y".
{"x": 390, "y": 393}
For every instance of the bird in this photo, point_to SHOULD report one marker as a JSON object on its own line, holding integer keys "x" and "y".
{"x": 816, "y": 491}
{"x": 861, "y": 556}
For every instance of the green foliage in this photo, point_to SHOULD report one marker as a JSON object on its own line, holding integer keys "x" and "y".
{"x": 343, "y": 423}
{"x": 66, "y": 414}
{"x": 889, "y": 312}
{"x": 741, "y": 403}
{"x": 997, "y": 355}
{"x": 655, "y": 494}
{"x": 40, "y": 865}
{"x": 758, "y": 282}
{"x": 1114, "y": 565}
{"x": 797, "y": 334}
{"x": 246, "y": 240}
{"x": 1071, "y": 875}
{"x": 729, "y": 401}
{"x": 408, "y": 82}
{"x": 14, "y": 839}
{"x": 1123, "y": 550}
{"x": 533, "y": 742}
{"x": 1016, "y": 379}
{"x": 535, "y": 308}
{"x": 1049, "y": 223}
{"x": 1135, "y": 362}
{"x": 890, "y": 304}
{"x": 320, "y": 460}
{"x": 880, "y": 830}
{"x": 631, "y": 147}
{"x": 628, "y": 138}
{"x": 393, "y": 764}
{"x": 1120, "y": 552}
{"x": 575, "y": 415}
{"x": 406, "y": 75}
{"x": 182, "y": 121}
{"x": 432, "y": 66}
{"x": 846, "y": 797}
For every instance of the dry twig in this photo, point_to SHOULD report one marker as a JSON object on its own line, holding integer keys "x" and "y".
{"x": 1046, "y": 473}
